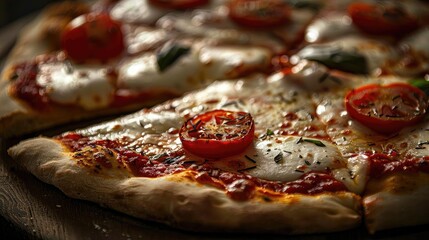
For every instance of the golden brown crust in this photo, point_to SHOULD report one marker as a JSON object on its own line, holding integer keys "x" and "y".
{"x": 185, "y": 204}
{"x": 396, "y": 200}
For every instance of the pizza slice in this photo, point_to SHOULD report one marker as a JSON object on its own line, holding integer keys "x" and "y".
{"x": 78, "y": 61}
{"x": 380, "y": 126}
{"x": 225, "y": 158}
{"x": 374, "y": 37}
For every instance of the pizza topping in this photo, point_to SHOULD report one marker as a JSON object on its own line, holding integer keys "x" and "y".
{"x": 169, "y": 55}
{"x": 382, "y": 164}
{"x": 218, "y": 133}
{"x": 137, "y": 12}
{"x": 382, "y": 18}
{"x": 67, "y": 83}
{"x": 421, "y": 83}
{"x": 258, "y": 13}
{"x": 336, "y": 58}
{"x": 25, "y": 86}
{"x": 142, "y": 72}
{"x": 178, "y": 4}
{"x": 329, "y": 27}
{"x": 238, "y": 186}
{"x": 93, "y": 36}
{"x": 387, "y": 108}
{"x": 315, "y": 142}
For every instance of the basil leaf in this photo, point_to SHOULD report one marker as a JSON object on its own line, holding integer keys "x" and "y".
{"x": 170, "y": 55}
{"x": 315, "y": 142}
{"x": 421, "y": 83}
{"x": 343, "y": 61}
{"x": 302, "y": 4}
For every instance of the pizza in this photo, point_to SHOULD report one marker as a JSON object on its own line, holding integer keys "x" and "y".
{"x": 79, "y": 60}
{"x": 290, "y": 117}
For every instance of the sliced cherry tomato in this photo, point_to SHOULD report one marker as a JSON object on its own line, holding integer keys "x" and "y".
{"x": 259, "y": 13}
{"x": 217, "y": 133}
{"x": 382, "y": 18}
{"x": 93, "y": 36}
{"x": 178, "y": 4}
{"x": 387, "y": 108}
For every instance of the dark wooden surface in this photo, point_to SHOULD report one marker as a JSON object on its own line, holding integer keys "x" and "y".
{"x": 31, "y": 209}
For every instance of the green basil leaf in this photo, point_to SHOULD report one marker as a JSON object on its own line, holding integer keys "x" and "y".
{"x": 170, "y": 55}
{"x": 303, "y": 4}
{"x": 343, "y": 61}
{"x": 421, "y": 83}
{"x": 315, "y": 142}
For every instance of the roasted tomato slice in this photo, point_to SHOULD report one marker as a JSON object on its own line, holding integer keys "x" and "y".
{"x": 178, "y": 4}
{"x": 93, "y": 36}
{"x": 217, "y": 133}
{"x": 382, "y": 18}
{"x": 387, "y": 108}
{"x": 259, "y": 13}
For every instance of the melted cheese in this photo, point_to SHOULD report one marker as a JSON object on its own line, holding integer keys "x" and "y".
{"x": 142, "y": 73}
{"x": 222, "y": 62}
{"x": 87, "y": 86}
{"x": 141, "y": 39}
{"x": 329, "y": 27}
{"x": 137, "y": 11}
{"x": 311, "y": 75}
{"x": 419, "y": 41}
{"x": 215, "y": 27}
{"x": 285, "y": 158}
{"x": 146, "y": 131}
{"x": 377, "y": 53}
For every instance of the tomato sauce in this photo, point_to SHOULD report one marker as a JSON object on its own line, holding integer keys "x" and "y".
{"x": 382, "y": 164}
{"x": 238, "y": 186}
{"x": 25, "y": 86}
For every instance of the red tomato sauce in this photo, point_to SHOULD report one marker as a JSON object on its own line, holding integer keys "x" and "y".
{"x": 382, "y": 164}
{"x": 238, "y": 186}
{"x": 25, "y": 86}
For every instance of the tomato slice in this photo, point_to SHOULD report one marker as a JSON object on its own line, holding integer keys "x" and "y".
{"x": 387, "y": 108}
{"x": 382, "y": 18}
{"x": 218, "y": 133}
{"x": 259, "y": 13}
{"x": 178, "y": 4}
{"x": 93, "y": 36}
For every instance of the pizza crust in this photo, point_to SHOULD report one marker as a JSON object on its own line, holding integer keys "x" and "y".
{"x": 397, "y": 200}
{"x": 177, "y": 201}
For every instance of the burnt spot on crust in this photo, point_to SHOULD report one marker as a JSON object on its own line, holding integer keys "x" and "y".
{"x": 98, "y": 159}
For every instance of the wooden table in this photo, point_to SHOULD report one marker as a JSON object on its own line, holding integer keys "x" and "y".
{"x": 31, "y": 209}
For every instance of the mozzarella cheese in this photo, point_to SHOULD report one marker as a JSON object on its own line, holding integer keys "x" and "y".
{"x": 142, "y": 39}
{"x": 215, "y": 27}
{"x": 86, "y": 86}
{"x": 377, "y": 53}
{"x": 137, "y": 11}
{"x": 286, "y": 158}
{"x": 277, "y": 157}
{"x": 224, "y": 62}
{"x": 330, "y": 27}
{"x": 142, "y": 73}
